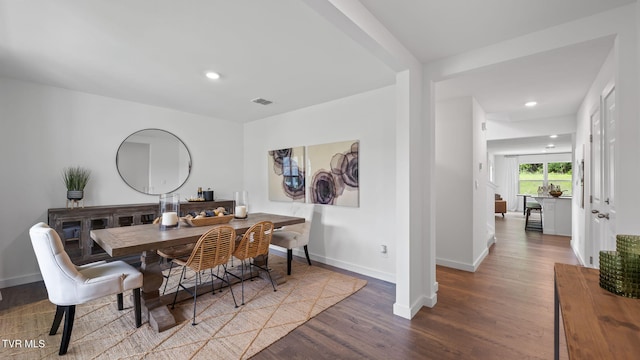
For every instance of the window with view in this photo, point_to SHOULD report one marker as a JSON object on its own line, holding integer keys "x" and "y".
{"x": 531, "y": 177}
{"x": 534, "y": 175}
{"x": 559, "y": 174}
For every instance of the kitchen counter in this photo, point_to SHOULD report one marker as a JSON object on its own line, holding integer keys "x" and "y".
{"x": 556, "y": 214}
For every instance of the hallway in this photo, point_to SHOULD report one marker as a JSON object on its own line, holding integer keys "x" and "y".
{"x": 502, "y": 311}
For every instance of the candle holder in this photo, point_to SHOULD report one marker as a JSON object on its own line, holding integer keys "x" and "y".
{"x": 242, "y": 204}
{"x": 169, "y": 211}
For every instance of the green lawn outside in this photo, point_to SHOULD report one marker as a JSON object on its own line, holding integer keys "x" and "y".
{"x": 529, "y": 183}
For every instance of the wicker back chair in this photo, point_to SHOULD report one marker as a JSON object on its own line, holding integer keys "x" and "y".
{"x": 213, "y": 249}
{"x": 255, "y": 242}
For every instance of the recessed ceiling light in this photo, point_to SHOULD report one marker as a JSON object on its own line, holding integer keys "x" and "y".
{"x": 553, "y": 136}
{"x": 550, "y": 146}
{"x": 212, "y": 75}
{"x": 530, "y": 103}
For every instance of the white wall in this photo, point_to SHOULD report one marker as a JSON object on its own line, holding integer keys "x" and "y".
{"x": 346, "y": 237}
{"x": 45, "y": 129}
{"x": 480, "y": 180}
{"x": 461, "y": 184}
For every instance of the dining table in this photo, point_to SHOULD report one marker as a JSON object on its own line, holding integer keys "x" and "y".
{"x": 146, "y": 239}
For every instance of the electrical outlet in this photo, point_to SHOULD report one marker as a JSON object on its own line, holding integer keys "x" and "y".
{"x": 383, "y": 251}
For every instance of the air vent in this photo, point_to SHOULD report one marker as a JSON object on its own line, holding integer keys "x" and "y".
{"x": 261, "y": 101}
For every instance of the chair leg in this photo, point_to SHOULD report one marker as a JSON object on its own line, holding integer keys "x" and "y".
{"x": 136, "y": 307}
{"x": 168, "y": 276}
{"x": 70, "y": 312}
{"x": 120, "y": 302}
{"x": 242, "y": 280}
{"x": 195, "y": 297}
{"x": 289, "y": 259}
{"x": 226, "y": 273}
{"x": 266, "y": 266}
{"x": 306, "y": 252}
{"x": 175, "y": 297}
{"x": 57, "y": 319}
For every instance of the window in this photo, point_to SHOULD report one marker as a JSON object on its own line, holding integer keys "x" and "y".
{"x": 534, "y": 175}
{"x": 531, "y": 177}
{"x": 559, "y": 174}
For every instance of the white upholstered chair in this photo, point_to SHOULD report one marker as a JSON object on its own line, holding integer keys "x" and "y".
{"x": 69, "y": 285}
{"x": 294, "y": 236}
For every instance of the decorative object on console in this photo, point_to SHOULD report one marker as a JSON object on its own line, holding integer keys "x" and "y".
{"x": 335, "y": 173}
{"x": 242, "y": 204}
{"x": 287, "y": 174}
{"x": 169, "y": 211}
{"x": 620, "y": 269}
{"x": 75, "y": 179}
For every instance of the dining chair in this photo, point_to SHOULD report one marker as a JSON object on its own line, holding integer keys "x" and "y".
{"x": 213, "y": 249}
{"x": 169, "y": 255}
{"x": 255, "y": 242}
{"x": 69, "y": 285}
{"x": 295, "y": 236}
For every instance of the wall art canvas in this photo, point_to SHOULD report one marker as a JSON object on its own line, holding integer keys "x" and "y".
{"x": 333, "y": 174}
{"x": 286, "y": 174}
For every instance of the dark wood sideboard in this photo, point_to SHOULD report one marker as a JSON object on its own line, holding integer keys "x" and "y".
{"x": 74, "y": 225}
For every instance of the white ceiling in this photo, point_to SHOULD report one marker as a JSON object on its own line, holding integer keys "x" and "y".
{"x": 156, "y": 51}
{"x": 534, "y": 145}
{"x": 558, "y": 80}
{"x": 435, "y": 29}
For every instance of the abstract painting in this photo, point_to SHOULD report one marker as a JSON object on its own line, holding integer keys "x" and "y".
{"x": 334, "y": 169}
{"x": 286, "y": 174}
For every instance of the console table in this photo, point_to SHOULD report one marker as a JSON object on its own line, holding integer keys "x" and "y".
{"x": 74, "y": 225}
{"x": 597, "y": 324}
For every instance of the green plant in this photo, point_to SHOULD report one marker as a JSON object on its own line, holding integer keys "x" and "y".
{"x": 76, "y": 178}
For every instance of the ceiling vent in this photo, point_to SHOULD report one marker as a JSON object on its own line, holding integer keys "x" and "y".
{"x": 261, "y": 101}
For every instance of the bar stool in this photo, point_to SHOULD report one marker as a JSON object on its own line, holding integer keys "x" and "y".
{"x": 531, "y": 224}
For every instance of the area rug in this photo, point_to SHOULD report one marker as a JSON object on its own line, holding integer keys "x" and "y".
{"x": 223, "y": 332}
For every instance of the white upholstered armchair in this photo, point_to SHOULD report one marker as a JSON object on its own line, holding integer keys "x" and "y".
{"x": 294, "y": 236}
{"x": 69, "y": 285}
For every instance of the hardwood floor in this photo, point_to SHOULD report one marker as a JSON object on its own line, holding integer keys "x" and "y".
{"x": 502, "y": 311}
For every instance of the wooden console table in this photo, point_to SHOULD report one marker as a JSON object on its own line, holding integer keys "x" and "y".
{"x": 597, "y": 324}
{"x": 74, "y": 225}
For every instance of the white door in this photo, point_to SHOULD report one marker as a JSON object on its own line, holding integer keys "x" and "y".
{"x": 608, "y": 211}
{"x": 595, "y": 199}
{"x": 602, "y": 226}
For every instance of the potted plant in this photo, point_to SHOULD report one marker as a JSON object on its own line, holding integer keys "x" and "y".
{"x": 75, "y": 178}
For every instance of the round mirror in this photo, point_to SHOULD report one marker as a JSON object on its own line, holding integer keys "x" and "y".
{"x": 153, "y": 161}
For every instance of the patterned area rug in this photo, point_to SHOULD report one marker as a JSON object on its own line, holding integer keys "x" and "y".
{"x": 223, "y": 332}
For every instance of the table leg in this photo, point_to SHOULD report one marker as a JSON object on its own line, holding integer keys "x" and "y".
{"x": 556, "y": 321}
{"x": 524, "y": 205}
{"x": 160, "y": 318}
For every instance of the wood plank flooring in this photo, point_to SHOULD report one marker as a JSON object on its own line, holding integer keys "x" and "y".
{"x": 502, "y": 311}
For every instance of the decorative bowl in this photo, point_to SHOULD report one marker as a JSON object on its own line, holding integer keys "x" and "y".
{"x": 555, "y": 193}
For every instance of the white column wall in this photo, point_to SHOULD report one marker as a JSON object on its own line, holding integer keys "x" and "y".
{"x": 454, "y": 177}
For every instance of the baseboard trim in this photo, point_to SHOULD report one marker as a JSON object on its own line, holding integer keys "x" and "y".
{"x": 464, "y": 266}
{"x": 410, "y": 312}
{"x": 455, "y": 264}
{"x": 380, "y": 275}
{"x": 20, "y": 280}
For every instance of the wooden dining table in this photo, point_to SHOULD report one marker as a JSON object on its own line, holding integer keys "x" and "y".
{"x": 146, "y": 239}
